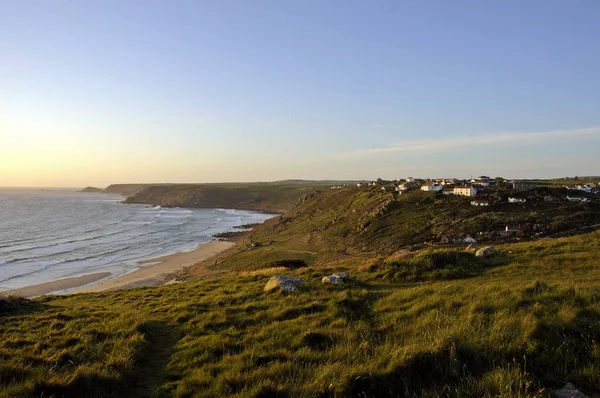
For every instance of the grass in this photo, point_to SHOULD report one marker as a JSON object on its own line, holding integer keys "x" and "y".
{"x": 516, "y": 327}
{"x": 434, "y": 264}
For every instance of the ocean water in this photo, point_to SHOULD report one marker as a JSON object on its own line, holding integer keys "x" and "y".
{"x": 54, "y": 234}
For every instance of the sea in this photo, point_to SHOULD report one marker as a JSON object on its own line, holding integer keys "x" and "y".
{"x": 53, "y": 234}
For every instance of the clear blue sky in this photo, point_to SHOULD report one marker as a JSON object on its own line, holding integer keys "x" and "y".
{"x": 96, "y": 92}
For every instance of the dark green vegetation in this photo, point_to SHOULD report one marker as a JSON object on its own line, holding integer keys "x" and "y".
{"x": 516, "y": 327}
{"x": 353, "y": 224}
{"x": 267, "y": 197}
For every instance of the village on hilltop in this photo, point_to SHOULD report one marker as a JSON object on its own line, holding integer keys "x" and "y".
{"x": 512, "y": 201}
{"x": 486, "y": 190}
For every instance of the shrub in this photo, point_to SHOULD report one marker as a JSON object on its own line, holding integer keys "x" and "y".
{"x": 289, "y": 264}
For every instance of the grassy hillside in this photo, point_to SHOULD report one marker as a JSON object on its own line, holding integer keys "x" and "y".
{"x": 350, "y": 223}
{"x": 126, "y": 189}
{"x": 268, "y": 197}
{"x": 517, "y": 326}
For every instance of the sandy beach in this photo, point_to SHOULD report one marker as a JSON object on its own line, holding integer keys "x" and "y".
{"x": 55, "y": 286}
{"x": 160, "y": 271}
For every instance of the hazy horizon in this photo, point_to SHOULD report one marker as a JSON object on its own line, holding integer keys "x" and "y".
{"x": 143, "y": 92}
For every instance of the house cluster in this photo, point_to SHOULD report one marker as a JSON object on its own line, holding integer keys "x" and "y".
{"x": 484, "y": 181}
{"x": 471, "y": 188}
{"x": 587, "y": 188}
{"x": 463, "y": 190}
{"x": 517, "y": 200}
{"x": 453, "y": 186}
{"x": 577, "y": 199}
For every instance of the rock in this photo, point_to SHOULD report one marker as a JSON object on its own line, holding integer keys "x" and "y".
{"x": 332, "y": 279}
{"x": 471, "y": 248}
{"x": 568, "y": 391}
{"x": 338, "y": 278}
{"x": 341, "y": 275}
{"x": 485, "y": 251}
{"x": 284, "y": 283}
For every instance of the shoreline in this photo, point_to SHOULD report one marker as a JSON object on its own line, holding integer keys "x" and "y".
{"x": 159, "y": 271}
{"x": 57, "y": 285}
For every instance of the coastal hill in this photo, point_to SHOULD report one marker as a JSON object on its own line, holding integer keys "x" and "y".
{"x": 126, "y": 189}
{"x": 265, "y": 197}
{"x": 92, "y": 190}
{"x": 344, "y": 223}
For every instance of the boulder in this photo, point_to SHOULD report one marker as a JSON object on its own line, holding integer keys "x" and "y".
{"x": 342, "y": 275}
{"x": 472, "y": 248}
{"x": 283, "y": 283}
{"x": 485, "y": 251}
{"x": 568, "y": 391}
{"x": 338, "y": 278}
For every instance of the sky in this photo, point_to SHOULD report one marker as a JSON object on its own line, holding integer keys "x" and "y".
{"x": 101, "y": 92}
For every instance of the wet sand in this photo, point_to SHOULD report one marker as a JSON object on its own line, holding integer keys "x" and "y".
{"x": 159, "y": 272}
{"x": 58, "y": 285}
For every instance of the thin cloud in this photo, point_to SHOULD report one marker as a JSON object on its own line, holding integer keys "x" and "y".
{"x": 462, "y": 142}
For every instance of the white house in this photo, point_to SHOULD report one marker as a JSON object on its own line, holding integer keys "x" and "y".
{"x": 585, "y": 188}
{"x": 359, "y": 185}
{"x": 410, "y": 179}
{"x": 575, "y": 199}
{"x": 516, "y": 200}
{"x": 480, "y": 203}
{"x": 512, "y": 229}
{"x": 401, "y": 188}
{"x": 465, "y": 191}
{"x": 432, "y": 188}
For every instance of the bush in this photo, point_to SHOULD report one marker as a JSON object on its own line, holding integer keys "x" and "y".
{"x": 10, "y": 305}
{"x": 289, "y": 264}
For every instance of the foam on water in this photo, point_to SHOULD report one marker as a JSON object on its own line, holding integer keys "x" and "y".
{"x": 50, "y": 235}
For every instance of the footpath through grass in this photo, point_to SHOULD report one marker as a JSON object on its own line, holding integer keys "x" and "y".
{"x": 518, "y": 327}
